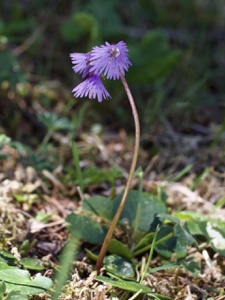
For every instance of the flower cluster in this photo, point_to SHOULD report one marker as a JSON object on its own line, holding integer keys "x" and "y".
{"x": 107, "y": 60}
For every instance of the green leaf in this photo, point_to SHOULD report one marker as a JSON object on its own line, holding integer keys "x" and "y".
{"x": 4, "y": 265}
{"x": 85, "y": 228}
{"x": 131, "y": 286}
{"x": 194, "y": 227}
{"x": 188, "y": 263}
{"x": 193, "y": 220}
{"x": 91, "y": 255}
{"x": 31, "y": 263}
{"x": 169, "y": 246}
{"x": 153, "y": 59}
{"x": 108, "y": 20}
{"x": 150, "y": 207}
{"x": 10, "y": 69}
{"x": 16, "y": 295}
{"x": 116, "y": 247}
{"x": 100, "y": 206}
{"x": 2, "y": 289}
{"x": 113, "y": 296}
{"x": 54, "y": 122}
{"x": 214, "y": 231}
{"x": 67, "y": 256}
{"x": 42, "y": 216}
{"x": 167, "y": 265}
{"x": 192, "y": 267}
{"x": 4, "y": 140}
{"x": 19, "y": 280}
{"x": 167, "y": 217}
{"x": 79, "y": 25}
{"x": 183, "y": 236}
{"x": 146, "y": 240}
{"x": 24, "y": 247}
{"x": 98, "y": 175}
{"x": 118, "y": 266}
{"x": 189, "y": 215}
{"x": 7, "y": 257}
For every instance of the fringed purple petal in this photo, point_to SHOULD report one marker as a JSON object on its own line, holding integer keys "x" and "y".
{"x": 92, "y": 87}
{"x": 109, "y": 60}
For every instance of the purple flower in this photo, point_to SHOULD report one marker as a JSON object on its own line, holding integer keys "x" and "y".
{"x": 92, "y": 87}
{"x": 107, "y": 60}
{"x": 110, "y": 60}
{"x": 81, "y": 62}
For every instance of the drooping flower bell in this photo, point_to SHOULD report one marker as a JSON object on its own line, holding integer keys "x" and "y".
{"x": 109, "y": 60}
{"x": 81, "y": 62}
{"x": 91, "y": 87}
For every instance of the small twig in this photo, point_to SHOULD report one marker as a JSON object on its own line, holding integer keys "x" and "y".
{"x": 29, "y": 41}
{"x": 54, "y": 180}
{"x": 150, "y": 164}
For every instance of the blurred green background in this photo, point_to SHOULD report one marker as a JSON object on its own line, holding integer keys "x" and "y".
{"x": 176, "y": 48}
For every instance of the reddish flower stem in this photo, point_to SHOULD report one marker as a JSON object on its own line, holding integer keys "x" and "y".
{"x": 129, "y": 180}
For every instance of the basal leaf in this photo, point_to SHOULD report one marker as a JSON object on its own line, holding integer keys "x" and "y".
{"x": 131, "y": 286}
{"x": 167, "y": 265}
{"x": 192, "y": 267}
{"x": 16, "y": 295}
{"x": 101, "y": 206}
{"x": 194, "y": 227}
{"x": 7, "y": 257}
{"x": 183, "y": 236}
{"x": 84, "y": 228}
{"x": 212, "y": 229}
{"x": 169, "y": 246}
{"x": 118, "y": 266}
{"x": 91, "y": 255}
{"x": 31, "y": 263}
{"x": 19, "y": 280}
{"x": 193, "y": 220}
{"x": 116, "y": 247}
{"x": 215, "y": 234}
{"x": 42, "y": 281}
{"x": 145, "y": 240}
{"x": 2, "y": 289}
{"x": 189, "y": 215}
{"x": 150, "y": 207}
{"x": 167, "y": 217}
{"x": 130, "y": 208}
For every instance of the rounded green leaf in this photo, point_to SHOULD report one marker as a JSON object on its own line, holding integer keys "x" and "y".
{"x": 118, "y": 266}
{"x": 2, "y": 289}
{"x": 131, "y": 286}
{"x": 7, "y": 257}
{"x": 84, "y": 228}
{"x": 170, "y": 245}
{"x": 101, "y": 206}
{"x": 19, "y": 280}
{"x": 150, "y": 207}
{"x": 215, "y": 233}
{"x": 31, "y": 263}
{"x": 116, "y": 247}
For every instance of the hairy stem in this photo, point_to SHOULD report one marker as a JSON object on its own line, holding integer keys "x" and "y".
{"x": 129, "y": 180}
